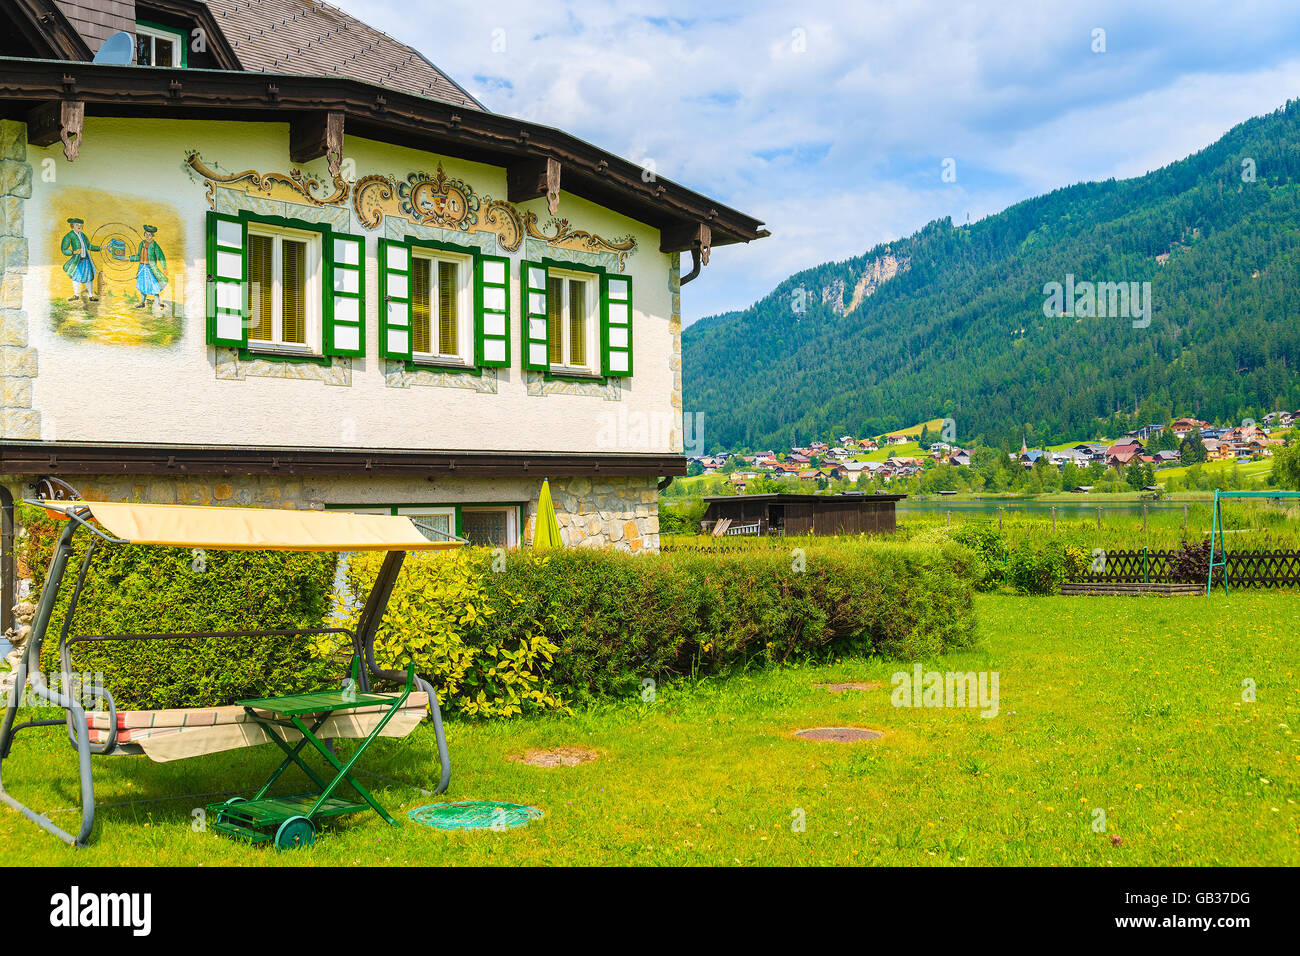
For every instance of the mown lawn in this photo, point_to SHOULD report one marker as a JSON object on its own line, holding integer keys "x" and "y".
{"x": 1130, "y": 705}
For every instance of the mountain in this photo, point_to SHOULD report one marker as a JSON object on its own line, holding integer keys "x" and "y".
{"x": 951, "y": 321}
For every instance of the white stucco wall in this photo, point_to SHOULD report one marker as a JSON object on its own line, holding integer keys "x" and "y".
{"x": 93, "y": 391}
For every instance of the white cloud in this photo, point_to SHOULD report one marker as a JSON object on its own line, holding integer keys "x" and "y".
{"x": 834, "y": 134}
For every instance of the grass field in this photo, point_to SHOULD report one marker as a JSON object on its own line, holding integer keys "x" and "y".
{"x": 1131, "y": 706}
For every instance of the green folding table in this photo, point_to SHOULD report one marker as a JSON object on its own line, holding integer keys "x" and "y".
{"x": 291, "y": 821}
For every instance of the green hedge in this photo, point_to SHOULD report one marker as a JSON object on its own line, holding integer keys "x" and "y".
{"x": 614, "y": 619}
{"x": 529, "y": 632}
{"x": 141, "y": 590}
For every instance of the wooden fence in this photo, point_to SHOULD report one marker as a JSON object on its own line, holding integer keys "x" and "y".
{"x": 1245, "y": 569}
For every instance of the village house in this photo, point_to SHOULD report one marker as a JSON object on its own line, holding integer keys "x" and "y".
{"x": 296, "y": 265}
{"x": 1185, "y": 426}
{"x": 1146, "y": 432}
{"x": 1121, "y": 453}
{"x": 1080, "y": 459}
{"x": 1029, "y": 457}
{"x": 897, "y": 439}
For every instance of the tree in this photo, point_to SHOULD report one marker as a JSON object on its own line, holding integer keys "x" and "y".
{"x": 1286, "y": 466}
{"x": 1133, "y": 475}
{"x": 1192, "y": 450}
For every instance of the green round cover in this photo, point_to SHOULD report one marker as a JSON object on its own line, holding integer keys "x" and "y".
{"x": 474, "y": 815}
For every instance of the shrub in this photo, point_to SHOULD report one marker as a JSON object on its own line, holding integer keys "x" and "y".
{"x": 990, "y": 544}
{"x": 1042, "y": 570}
{"x": 157, "y": 590}
{"x": 506, "y": 636}
{"x": 682, "y": 519}
{"x": 1190, "y": 564}
{"x": 440, "y": 615}
{"x": 602, "y": 621}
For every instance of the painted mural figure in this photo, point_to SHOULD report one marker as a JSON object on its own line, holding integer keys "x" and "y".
{"x": 151, "y": 277}
{"x": 79, "y": 266}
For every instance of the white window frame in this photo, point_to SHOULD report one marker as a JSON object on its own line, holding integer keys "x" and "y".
{"x": 449, "y": 511}
{"x": 592, "y": 325}
{"x": 176, "y": 37}
{"x": 313, "y": 294}
{"x": 464, "y": 355}
{"x": 512, "y": 519}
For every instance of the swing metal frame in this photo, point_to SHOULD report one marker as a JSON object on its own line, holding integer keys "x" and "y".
{"x": 1216, "y": 531}
{"x": 261, "y": 818}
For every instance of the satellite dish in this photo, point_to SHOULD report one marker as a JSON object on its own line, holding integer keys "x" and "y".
{"x": 118, "y": 50}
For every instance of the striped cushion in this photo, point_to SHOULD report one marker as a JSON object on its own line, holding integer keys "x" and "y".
{"x": 144, "y": 724}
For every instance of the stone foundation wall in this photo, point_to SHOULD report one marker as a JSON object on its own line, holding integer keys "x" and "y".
{"x": 17, "y": 361}
{"x": 618, "y": 512}
{"x": 622, "y": 513}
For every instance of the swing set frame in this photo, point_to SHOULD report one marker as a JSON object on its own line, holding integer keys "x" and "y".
{"x": 1216, "y": 531}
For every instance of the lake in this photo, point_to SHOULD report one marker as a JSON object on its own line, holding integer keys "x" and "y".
{"x": 1064, "y": 509}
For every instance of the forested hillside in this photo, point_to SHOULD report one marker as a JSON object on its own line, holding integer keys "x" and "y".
{"x": 950, "y": 321}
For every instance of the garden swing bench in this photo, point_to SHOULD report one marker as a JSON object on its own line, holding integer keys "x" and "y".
{"x": 290, "y": 722}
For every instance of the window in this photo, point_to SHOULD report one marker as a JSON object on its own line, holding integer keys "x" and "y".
{"x": 571, "y": 322}
{"x": 494, "y": 527}
{"x": 284, "y": 291}
{"x": 443, "y": 304}
{"x": 431, "y": 521}
{"x": 575, "y": 322}
{"x": 158, "y": 46}
{"x": 283, "y": 286}
{"x": 488, "y": 525}
{"x": 440, "y": 308}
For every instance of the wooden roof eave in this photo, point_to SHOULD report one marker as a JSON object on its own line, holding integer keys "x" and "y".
{"x": 374, "y": 112}
{"x": 31, "y": 458}
{"x": 48, "y": 31}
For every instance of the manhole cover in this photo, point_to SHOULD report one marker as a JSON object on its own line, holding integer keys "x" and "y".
{"x": 556, "y": 757}
{"x": 838, "y": 734}
{"x": 841, "y": 688}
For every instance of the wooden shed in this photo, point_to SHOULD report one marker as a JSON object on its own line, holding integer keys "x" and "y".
{"x": 790, "y": 514}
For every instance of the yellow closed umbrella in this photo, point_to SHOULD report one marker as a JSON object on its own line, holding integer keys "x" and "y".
{"x": 546, "y": 532}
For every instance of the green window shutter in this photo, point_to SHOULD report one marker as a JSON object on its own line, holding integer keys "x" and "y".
{"x": 345, "y": 298}
{"x": 394, "y": 300}
{"x": 533, "y": 310}
{"x": 616, "y": 325}
{"x": 492, "y": 311}
{"x": 227, "y": 299}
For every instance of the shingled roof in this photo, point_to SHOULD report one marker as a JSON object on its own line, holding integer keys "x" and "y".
{"x": 319, "y": 39}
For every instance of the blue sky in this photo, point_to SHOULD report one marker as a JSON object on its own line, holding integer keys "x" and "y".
{"x": 832, "y": 123}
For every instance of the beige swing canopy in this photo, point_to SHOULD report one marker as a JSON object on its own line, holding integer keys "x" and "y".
{"x": 254, "y": 529}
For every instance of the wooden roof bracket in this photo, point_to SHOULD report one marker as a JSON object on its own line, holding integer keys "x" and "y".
{"x": 55, "y": 121}
{"x": 313, "y": 135}
{"x": 532, "y": 179}
{"x": 695, "y": 237}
